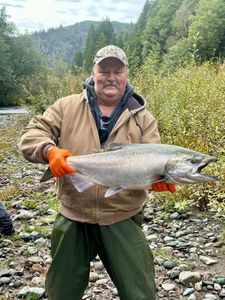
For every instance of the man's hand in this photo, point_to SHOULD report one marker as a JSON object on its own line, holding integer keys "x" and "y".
{"x": 163, "y": 186}
{"x": 57, "y": 161}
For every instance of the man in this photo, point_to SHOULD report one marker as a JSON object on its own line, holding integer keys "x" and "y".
{"x": 107, "y": 111}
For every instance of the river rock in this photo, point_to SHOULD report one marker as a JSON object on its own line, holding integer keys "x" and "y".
{"x": 39, "y": 292}
{"x": 168, "y": 286}
{"x": 187, "y": 277}
{"x": 208, "y": 260}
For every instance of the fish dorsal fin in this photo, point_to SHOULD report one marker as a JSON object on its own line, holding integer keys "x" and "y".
{"x": 118, "y": 146}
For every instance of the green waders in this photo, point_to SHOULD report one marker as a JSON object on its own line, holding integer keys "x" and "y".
{"x": 122, "y": 248}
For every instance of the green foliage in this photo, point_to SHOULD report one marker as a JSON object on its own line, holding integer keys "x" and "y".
{"x": 26, "y": 61}
{"x": 180, "y": 30}
{"x": 30, "y": 203}
{"x": 188, "y": 104}
{"x": 97, "y": 38}
{"x": 7, "y": 80}
{"x": 90, "y": 49}
{"x": 8, "y": 193}
{"x": 135, "y": 39}
{"x": 162, "y": 254}
{"x": 209, "y": 24}
{"x": 77, "y": 63}
{"x": 19, "y": 60}
{"x": 181, "y": 21}
{"x": 158, "y": 27}
{"x": 190, "y": 98}
{"x": 59, "y": 83}
{"x": 32, "y": 296}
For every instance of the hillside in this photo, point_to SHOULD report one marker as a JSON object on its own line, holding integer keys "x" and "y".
{"x": 63, "y": 42}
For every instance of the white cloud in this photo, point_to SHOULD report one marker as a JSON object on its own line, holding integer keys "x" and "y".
{"x": 42, "y": 14}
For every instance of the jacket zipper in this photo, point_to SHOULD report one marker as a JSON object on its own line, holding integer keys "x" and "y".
{"x": 97, "y": 205}
{"x": 116, "y": 128}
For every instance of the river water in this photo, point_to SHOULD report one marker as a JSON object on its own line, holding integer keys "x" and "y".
{"x": 13, "y": 110}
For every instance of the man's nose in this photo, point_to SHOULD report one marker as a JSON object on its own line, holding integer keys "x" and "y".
{"x": 111, "y": 76}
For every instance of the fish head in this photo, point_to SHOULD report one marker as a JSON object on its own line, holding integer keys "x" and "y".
{"x": 187, "y": 168}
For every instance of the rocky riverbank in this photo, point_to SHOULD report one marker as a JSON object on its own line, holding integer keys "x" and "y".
{"x": 188, "y": 248}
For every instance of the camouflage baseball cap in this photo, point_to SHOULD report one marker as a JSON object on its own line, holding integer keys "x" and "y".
{"x": 111, "y": 51}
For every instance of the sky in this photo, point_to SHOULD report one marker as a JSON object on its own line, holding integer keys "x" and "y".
{"x": 32, "y": 15}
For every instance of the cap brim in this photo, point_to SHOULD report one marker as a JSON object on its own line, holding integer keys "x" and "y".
{"x": 110, "y": 56}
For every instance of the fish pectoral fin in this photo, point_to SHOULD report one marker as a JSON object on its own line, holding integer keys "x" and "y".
{"x": 157, "y": 179}
{"x": 112, "y": 191}
{"x": 79, "y": 182}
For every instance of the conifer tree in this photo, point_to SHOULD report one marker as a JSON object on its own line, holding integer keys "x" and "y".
{"x": 98, "y": 37}
{"x": 135, "y": 41}
{"x": 89, "y": 49}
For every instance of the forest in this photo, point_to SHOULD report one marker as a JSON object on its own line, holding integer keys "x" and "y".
{"x": 63, "y": 42}
{"x": 176, "y": 53}
{"x": 167, "y": 36}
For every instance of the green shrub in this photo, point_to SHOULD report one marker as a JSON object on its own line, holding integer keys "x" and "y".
{"x": 188, "y": 104}
{"x": 56, "y": 87}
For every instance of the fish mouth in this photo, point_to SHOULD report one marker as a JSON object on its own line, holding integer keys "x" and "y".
{"x": 196, "y": 174}
{"x": 190, "y": 170}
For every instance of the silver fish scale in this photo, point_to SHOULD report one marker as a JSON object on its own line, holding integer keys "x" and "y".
{"x": 129, "y": 167}
{"x": 135, "y": 166}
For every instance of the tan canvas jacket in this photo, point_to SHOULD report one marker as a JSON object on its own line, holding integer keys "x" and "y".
{"x": 69, "y": 124}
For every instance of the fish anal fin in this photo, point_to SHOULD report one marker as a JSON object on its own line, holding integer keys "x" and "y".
{"x": 112, "y": 191}
{"x": 79, "y": 182}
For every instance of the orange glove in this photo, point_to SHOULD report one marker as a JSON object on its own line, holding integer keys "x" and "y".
{"x": 163, "y": 186}
{"x": 57, "y": 162}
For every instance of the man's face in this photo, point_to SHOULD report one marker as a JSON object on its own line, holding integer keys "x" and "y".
{"x": 110, "y": 77}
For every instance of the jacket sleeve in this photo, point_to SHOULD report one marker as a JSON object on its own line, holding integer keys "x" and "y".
{"x": 41, "y": 132}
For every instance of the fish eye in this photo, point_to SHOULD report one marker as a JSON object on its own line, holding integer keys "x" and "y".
{"x": 195, "y": 160}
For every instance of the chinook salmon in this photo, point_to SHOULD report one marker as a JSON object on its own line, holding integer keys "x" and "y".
{"x": 136, "y": 166}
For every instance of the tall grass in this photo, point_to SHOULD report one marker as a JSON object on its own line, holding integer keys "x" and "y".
{"x": 189, "y": 105}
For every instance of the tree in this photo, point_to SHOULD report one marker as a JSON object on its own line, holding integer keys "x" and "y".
{"x": 77, "y": 63}
{"x": 209, "y": 24}
{"x": 89, "y": 50}
{"x": 7, "y": 79}
{"x": 181, "y": 21}
{"x": 135, "y": 40}
{"x": 159, "y": 28}
{"x": 105, "y": 34}
{"x": 25, "y": 60}
{"x": 19, "y": 61}
{"x": 98, "y": 37}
